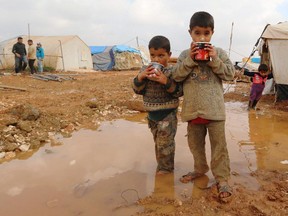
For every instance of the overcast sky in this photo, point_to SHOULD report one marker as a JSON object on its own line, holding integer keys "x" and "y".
{"x": 111, "y": 22}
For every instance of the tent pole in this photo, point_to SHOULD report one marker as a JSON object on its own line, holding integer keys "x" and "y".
{"x": 231, "y": 35}
{"x": 137, "y": 41}
{"x": 29, "y": 31}
{"x": 62, "y": 55}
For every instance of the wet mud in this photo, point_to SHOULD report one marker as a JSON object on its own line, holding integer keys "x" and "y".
{"x": 111, "y": 171}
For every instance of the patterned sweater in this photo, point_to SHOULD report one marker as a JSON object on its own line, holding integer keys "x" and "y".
{"x": 155, "y": 95}
{"x": 202, "y": 85}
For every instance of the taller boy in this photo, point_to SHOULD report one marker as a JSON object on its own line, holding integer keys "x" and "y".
{"x": 203, "y": 105}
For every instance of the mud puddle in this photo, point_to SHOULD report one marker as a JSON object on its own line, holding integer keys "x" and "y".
{"x": 105, "y": 172}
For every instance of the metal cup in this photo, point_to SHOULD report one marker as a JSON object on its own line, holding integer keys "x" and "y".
{"x": 157, "y": 66}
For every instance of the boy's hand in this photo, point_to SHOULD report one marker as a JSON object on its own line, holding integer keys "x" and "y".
{"x": 148, "y": 72}
{"x": 158, "y": 76}
{"x": 193, "y": 50}
{"x": 211, "y": 50}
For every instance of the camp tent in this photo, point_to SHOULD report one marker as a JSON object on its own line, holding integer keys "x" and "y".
{"x": 273, "y": 49}
{"x": 118, "y": 57}
{"x": 62, "y": 53}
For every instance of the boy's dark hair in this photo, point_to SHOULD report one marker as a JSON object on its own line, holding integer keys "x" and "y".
{"x": 159, "y": 42}
{"x": 19, "y": 38}
{"x": 202, "y": 19}
{"x": 263, "y": 67}
{"x": 30, "y": 40}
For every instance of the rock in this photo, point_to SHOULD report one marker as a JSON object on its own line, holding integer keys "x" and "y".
{"x": 26, "y": 112}
{"x": 10, "y": 155}
{"x": 92, "y": 104}
{"x": 11, "y": 146}
{"x": 24, "y": 148}
{"x": 135, "y": 105}
{"x": 2, "y": 154}
{"x": 25, "y": 126}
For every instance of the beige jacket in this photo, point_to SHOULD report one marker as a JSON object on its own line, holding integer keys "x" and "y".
{"x": 202, "y": 85}
{"x": 31, "y": 52}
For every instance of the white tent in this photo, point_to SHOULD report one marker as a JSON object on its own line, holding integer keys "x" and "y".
{"x": 62, "y": 53}
{"x": 274, "y": 51}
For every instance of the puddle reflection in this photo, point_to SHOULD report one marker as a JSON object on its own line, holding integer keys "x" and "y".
{"x": 104, "y": 172}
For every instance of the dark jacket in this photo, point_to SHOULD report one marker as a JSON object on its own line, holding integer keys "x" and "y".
{"x": 19, "y": 48}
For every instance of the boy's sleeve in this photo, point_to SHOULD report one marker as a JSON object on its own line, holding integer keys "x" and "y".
{"x": 139, "y": 87}
{"x": 183, "y": 67}
{"x": 270, "y": 75}
{"x": 248, "y": 73}
{"x": 222, "y": 66}
{"x": 174, "y": 88}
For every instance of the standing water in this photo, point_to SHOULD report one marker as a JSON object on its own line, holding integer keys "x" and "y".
{"x": 104, "y": 172}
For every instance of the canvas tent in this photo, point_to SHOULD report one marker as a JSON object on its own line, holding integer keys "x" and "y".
{"x": 62, "y": 53}
{"x": 118, "y": 57}
{"x": 273, "y": 49}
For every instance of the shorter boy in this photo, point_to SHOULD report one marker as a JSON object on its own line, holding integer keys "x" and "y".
{"x": 258, "y": 84}
{"x": 160, "y": 96}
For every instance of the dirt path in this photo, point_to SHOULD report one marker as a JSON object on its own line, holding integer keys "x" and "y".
{"x": 29, "y": 119}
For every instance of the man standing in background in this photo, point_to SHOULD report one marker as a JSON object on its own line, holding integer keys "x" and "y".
{"x": 31, "y": 56}
{"x": 20, "y": 53}
{"x": 40, "y": 57}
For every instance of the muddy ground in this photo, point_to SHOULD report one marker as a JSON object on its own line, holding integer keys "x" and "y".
{"x": 36, "y": 110}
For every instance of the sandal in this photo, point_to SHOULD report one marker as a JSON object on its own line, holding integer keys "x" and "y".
{"x": 190, "y": 177}
{"x": 225, "y": 191}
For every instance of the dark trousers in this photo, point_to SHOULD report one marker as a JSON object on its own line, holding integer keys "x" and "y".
{"x": 20, "y": 63}
{"x": 31, "y": 65}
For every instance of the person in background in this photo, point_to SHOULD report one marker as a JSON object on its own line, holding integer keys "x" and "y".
{"x": 160, "y": 96}
{"x": 20, "y": 53}
{"x": 31, "y": 56}
{"x": 258, "y": 83}
{"x": 203, "y": 105}
{"x": 40, "y": 57}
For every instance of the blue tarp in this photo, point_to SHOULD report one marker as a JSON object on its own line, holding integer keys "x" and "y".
{"x": 124, "y": 48}
{"x": 103, "y": 56}
{"x": 103, "y": 60}
{"x": 97, "y": 49}
{"x": 256, "y": 60}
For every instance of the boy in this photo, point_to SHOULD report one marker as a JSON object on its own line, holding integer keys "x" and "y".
{"x": 258, "y": 84}
{"x": 31, "y": 56}
{"x": 203, "y": 105}
{"x": 160, "y": 96}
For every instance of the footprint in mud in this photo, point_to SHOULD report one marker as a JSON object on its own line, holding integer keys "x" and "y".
{"x": 81, "y": 188}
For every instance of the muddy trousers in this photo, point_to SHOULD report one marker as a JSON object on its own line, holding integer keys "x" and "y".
{"x": 220, "y": 163}
{"x": 255, "y": 94}
{"x": 164, "y": 132}
{"x": 31, "y": 65}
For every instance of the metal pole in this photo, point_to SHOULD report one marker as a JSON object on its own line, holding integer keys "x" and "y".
{"x": 231, "y": 35}
{"x": 28, "y": 31}
{"x": 62, "y": 55}
{"x": 139, "y": 50}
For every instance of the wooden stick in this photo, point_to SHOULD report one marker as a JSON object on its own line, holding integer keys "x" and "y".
{"x": 12, "y": 87}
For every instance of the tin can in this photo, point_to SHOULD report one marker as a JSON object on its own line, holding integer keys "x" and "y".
{"x": 202, "y": 54}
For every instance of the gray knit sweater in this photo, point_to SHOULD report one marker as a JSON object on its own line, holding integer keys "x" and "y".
{"x": 202, "y": 85}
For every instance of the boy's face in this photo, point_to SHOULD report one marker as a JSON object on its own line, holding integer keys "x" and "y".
{"x": 201, "y": 34}
{"x": 160, "y": 56}
{"x": 264, "y": 73}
